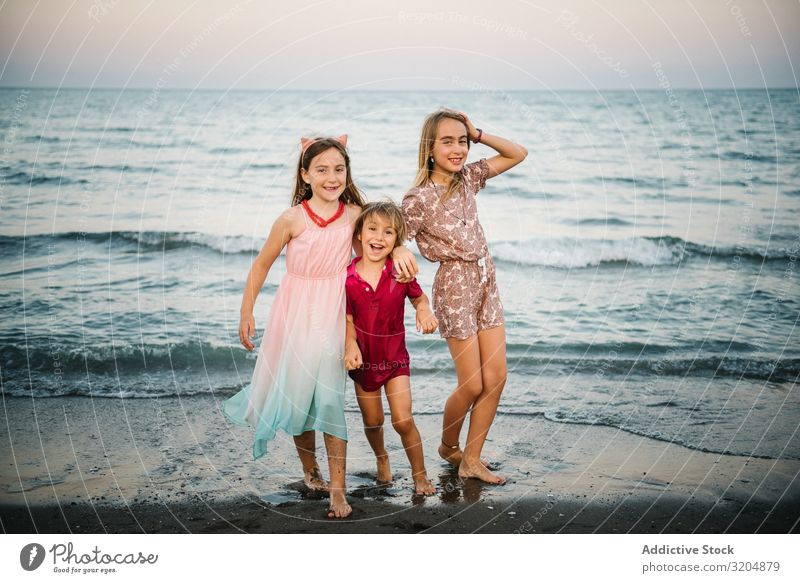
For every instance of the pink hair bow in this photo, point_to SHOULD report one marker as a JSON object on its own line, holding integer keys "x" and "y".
{"x": 306, "y": 142}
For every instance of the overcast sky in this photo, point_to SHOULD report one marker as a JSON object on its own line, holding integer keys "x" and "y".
{"x": 300, "y": 44}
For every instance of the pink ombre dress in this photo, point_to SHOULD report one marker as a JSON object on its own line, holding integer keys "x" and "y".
{"x": 299, "y": 379}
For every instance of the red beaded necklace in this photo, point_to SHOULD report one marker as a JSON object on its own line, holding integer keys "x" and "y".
{"x": 318, "y": 220}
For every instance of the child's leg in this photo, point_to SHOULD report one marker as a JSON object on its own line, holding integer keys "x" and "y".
{"x": 492, "y": 343}
{"x": 371, "y": 406}
{"x": 467, "y": 359}
{"x": 337, "y": 466}
{"x": 398, "y": 393}
{"x": 306, "y": 444}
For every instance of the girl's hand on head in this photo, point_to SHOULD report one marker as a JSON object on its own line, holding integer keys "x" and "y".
{"x": 472, "y": 131}
{"x": 247, "y": 330}
{"x": 405, "y": 264}
{"x": 352, "y": 356}
{"x": 426, "y": 321}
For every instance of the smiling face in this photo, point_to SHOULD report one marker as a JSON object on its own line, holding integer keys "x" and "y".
{"x": 450, "y": 148}
{"x": 326, "y": 174}
{"x": 378, "y": 237}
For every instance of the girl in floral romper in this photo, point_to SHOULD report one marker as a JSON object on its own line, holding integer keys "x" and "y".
{"x": 441, "y": 215}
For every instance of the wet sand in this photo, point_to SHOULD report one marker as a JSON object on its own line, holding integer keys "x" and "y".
{"x": 169, "y": 465}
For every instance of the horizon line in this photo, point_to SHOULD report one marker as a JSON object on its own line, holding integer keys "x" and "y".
{"x": 265, "y": 89}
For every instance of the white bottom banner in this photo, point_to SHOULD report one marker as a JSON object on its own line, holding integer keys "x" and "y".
{"x": 399, "y": 557}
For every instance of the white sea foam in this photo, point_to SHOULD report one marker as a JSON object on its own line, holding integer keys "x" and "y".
{"x": 578, "y": 253}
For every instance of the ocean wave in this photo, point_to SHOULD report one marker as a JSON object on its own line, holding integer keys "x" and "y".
{"x": 104, "y": 385}
{"x": 24, "y": 178}
{"x": 580, "y": 418}
{"x": 580, "y": 253}
{"x": 753, "y": 181}
{"x": 108, "y": 129}
{"x": 738, "y": 155}
{"x": 40, "y": 362}
{"x": 548, "y": 351}
{"x": 122, "y": 168}
{"x": 599, "y": 222}
{"x": 39, "y": 138}
{"x": 557, "y": 252}
{"x": 262, "y": 166}
{"x": 124, "y": 359}
{"x": 713, "y": 360}
{"x": 784, "y": 370}
{"x": 229, "y": 150}
{"x": 572, "y": 253}
{"x": 146, "y": 241}
{"x": 641, "y": 181}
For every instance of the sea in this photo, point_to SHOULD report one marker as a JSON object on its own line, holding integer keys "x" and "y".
{"x": 646, "y": 249}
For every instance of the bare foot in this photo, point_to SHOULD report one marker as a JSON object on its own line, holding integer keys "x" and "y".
{"x": 422, "y": 485}
{"x": 384, "y": 474}
{"x": 339, "y": 508}
{"x": 480, "y": 472}
{"x": 453, "y": 455}
{"x": 314, "y": 481}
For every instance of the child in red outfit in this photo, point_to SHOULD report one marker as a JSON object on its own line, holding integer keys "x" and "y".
{"x": 375, "y": 347}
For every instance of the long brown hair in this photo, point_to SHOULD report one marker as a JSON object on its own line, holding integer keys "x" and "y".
{"x": 302, "y": 191}
{"x": 429, "y": 128}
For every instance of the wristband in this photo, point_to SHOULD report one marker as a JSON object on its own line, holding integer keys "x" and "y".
{"x": 478, "y": 139}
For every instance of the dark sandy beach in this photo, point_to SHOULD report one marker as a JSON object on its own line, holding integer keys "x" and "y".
{"x": 174, "y": 465}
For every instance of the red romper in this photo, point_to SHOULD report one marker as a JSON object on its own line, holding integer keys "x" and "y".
{"x": 378, "y": 318}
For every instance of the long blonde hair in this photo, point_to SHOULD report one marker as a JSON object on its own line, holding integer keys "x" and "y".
{"x": 425, "y": 163}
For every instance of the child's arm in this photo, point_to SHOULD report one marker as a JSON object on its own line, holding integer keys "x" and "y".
{"x": 354, "y": 210}
{"x": 352, "y": 353}
{"x": 405, "y": 263}
{"x": 278, "y": 237}
{"x": 509, "y": 153}
{"x": 426, "y": 321}
{"x": 357, "y": 248}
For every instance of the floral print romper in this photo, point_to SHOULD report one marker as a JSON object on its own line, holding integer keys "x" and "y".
{"x": 465, "y": 295}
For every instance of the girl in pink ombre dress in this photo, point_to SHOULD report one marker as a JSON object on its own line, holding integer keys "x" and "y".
{"x": 299, "y": 379}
